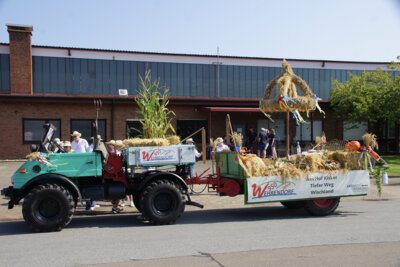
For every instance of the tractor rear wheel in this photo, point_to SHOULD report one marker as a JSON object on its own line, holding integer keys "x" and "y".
{"x": 162, "y": 202}
{"x": 48, "y": 207}
{"x": 321, "y": 207}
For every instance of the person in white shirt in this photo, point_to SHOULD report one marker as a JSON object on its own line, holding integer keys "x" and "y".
{"x": 221, "y": 146}
{"x": 79, "y": 144}
{"x": 196, "y": 153}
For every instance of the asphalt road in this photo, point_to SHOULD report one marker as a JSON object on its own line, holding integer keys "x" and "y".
{"x": 362, "y": 232}
{"x": 124, "y": 238}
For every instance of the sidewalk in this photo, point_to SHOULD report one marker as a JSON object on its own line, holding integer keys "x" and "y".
{"x": 210, "y": 200}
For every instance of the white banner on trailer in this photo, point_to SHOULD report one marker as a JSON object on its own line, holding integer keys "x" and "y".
{"x": 316, "y": 185}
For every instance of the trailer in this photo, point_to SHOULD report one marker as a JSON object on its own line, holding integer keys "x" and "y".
{"x": 51, "y": 185}
{"x": 318, "y": 193}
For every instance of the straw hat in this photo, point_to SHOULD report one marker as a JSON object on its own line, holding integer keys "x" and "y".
{"x": 57, "y": 140}
{"x": 119, "y": 143}
{"x": 111, "y": 142}
{"x": 76, "y": 133}
{"x": 190, "y": 140}
{"x": 67, "y": 143}
{"x": 219, "y": 140}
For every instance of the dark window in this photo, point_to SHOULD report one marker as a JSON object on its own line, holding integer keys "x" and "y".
{"x": 187, "y": 127}
{"x": 34, "y": 131}
{"x": 86, "y": 129}
{"x": 133, "y": 128}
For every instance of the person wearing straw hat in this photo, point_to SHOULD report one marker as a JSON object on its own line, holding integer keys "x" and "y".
{"x": 111, "y": 146}
{"x": 196, "y": 153}
{"x": 221, "y": 146}
{"x": 79, "y": 144}
{"x": 67, "y": 146}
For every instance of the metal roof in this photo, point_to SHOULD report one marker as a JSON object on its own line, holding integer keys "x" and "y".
{"x": 202, "y": 55}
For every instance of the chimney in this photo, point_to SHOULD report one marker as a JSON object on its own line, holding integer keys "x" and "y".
{"x": 20, "y": 58}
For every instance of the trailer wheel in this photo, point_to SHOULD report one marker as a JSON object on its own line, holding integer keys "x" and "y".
{"x": 293, "y": 205}
{"x": 162, "y": 202}
{"x": 321, "y": 207}
{"x": 48, "y": 207}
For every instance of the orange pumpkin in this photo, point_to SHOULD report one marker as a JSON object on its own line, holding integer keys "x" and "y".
{"x": 353, "y": 145}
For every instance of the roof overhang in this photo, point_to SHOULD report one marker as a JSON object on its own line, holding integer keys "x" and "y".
{"x": 230, "y": 109}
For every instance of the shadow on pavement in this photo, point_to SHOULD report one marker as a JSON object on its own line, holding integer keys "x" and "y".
{"x": 101, "y": 219}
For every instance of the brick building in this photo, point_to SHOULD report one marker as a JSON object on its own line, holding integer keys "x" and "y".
{"x": 58, "y": 84}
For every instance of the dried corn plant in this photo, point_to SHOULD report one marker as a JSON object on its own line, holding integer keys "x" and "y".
{"x": 152, "y": 105}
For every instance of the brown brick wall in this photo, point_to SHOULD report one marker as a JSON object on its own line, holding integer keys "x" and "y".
{"x": 12, "y": 114}
{"x": 20, "y": 62}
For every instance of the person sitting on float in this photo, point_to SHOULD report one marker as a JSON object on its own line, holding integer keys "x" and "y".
{"x": 221, "y": 146}
{"x": 67, "y": 147}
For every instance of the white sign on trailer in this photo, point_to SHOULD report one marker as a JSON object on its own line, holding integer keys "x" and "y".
{"x": 316, "y": 185}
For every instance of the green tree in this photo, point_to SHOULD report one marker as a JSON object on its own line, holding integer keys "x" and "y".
{"x": 152, "y": 105}
{"x": 372, "y": 97}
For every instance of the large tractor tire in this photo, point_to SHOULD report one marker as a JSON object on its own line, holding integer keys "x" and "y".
{"x": 48, "y": 207}
{"x": 136, "y": 201}
{"x": 321, "y": 207}
{"x": 162, "y": 202}
{"x": 293, "y": 205}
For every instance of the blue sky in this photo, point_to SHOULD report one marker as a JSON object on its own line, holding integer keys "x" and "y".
{"x": 354, "y": 30}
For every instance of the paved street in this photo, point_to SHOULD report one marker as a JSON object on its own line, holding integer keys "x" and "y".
{"x": 362, "y": 232}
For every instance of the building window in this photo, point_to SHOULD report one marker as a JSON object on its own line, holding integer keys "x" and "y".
{"x": 34, "y": 131}
{"x": 354, "y": 131}
{"x": 187, "y": 127}
{"x": 133, "y": 128}
{"x": 303, "y": 131}
{"x": 85, "y": 127}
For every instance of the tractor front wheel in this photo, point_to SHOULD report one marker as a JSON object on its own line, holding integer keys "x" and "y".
{"x": 162, "y": 202}
{"x": 48, "y": 207}
{"x": 321, "y": 207}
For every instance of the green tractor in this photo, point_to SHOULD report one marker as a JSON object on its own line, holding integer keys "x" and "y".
{"x": 52, "y": 184}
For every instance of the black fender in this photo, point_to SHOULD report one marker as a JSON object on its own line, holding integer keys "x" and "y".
{"x": 154, "y": 175}
{"x": 53, "y": 178}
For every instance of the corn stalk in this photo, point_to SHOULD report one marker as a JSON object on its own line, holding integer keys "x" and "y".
{"x": 152, "y": 105}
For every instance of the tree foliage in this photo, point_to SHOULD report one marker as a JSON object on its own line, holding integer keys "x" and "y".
{"x": 152, "y": 105}
{"x": 373, "y": 97}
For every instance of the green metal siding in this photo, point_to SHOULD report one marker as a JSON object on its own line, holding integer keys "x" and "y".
{"x": 5, "y": 73}
{"x": 105, "y": 77}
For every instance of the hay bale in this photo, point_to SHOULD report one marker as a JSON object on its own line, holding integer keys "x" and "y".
{"x": 140, "y": 142}
{"x": 173, "y": 139}
{"x": 348, "y": 159}
{"x": 255, "y": 166}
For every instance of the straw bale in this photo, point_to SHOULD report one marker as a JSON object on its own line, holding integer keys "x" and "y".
{"x": 173, "y": 139}
{"x": 255, "y": 166}
{"x": 139, "y": 142}
{"x": 348, "y": 159}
